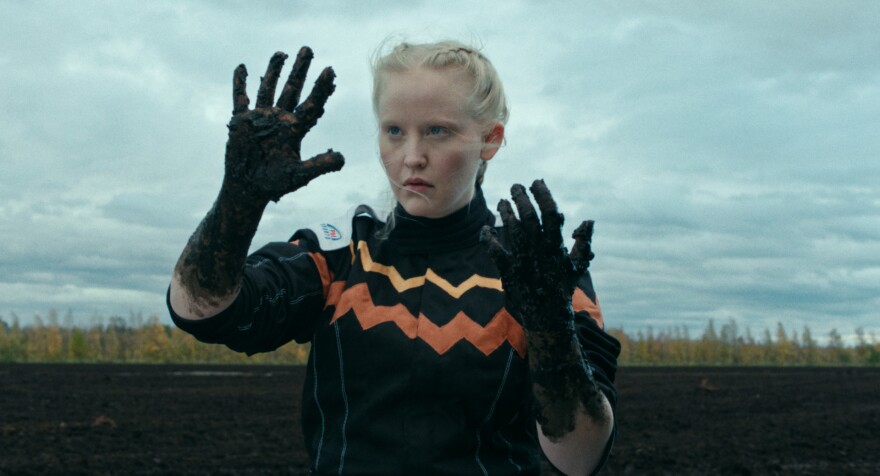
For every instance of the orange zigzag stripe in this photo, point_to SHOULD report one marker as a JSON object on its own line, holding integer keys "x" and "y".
{"x": 581, "y": 302}
{"x": 502, "y": 327}
{"x": 402, "y": 284}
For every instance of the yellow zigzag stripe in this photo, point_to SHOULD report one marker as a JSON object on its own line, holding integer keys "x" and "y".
{"x": 402, "y": 284}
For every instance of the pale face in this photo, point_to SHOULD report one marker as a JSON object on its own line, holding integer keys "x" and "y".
{"x": 429, "y": 144}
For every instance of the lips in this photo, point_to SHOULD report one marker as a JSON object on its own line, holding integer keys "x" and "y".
{"x": 416, "y": 183}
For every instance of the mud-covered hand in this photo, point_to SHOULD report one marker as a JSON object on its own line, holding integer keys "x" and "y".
{"x": 538, "y": 273}
{"x": 539, "y": 276}
{"x": 262, "y": 164}
{"x": 263, "y": 152}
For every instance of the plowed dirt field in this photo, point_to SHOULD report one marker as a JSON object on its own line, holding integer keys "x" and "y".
{"x": 244, "y": 420}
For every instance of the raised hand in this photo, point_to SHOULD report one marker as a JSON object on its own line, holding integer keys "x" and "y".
{"x": 263, "y": 152}
{"x": 539, "y": 276}
{"x": 262, "y": 164}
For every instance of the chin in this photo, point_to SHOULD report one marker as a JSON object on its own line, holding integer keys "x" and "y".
{"x": 418, "y": 209}
{"x": 414, "y": 204}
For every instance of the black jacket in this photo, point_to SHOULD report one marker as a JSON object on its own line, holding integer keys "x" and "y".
{"x": 415, "y": 367}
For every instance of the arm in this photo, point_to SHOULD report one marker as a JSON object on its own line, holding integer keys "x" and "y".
{"x": 263, "y": 163}
{"x": 574, "y": 417}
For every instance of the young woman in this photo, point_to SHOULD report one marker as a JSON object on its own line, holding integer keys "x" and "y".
{"x": 441, "y": 343}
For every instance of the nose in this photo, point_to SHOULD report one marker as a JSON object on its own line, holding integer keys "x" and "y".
{"x": 415, "y": 155}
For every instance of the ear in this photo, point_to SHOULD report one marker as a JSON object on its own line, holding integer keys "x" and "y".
{"x": 492, "y": 142}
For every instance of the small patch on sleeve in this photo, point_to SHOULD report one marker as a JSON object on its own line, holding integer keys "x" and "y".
{"x": 336, "y": 234}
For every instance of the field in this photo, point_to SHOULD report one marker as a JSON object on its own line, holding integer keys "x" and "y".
{"x": 244, "y": 420}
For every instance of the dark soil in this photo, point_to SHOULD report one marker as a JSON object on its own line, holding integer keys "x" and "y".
{"x": 244, "y": 420}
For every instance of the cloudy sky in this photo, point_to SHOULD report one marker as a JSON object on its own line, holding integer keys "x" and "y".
{"x": 728, "y": 151}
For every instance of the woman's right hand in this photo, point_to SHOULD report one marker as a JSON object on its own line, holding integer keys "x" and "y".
{"x": 262, "y": 164}
{"x": 263, "y": 160}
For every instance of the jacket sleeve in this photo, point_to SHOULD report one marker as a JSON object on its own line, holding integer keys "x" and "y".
{"x": 281, "y": 299}
{"x": 600, "y": 349}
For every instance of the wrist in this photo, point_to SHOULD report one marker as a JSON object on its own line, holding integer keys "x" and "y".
{"x": 549, "y": 322}
{"x": 555, "y": 355}
{"x": 236, "y": 195}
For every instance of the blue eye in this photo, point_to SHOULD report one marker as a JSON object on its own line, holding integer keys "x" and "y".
{"x": 436, "y": 130}
{"x": 393, "y": 131}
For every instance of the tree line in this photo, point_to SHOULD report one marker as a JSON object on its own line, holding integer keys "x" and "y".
{"x": 731, "y": 346}
{"x": 139, "y": 340}
{"x": 121, "y": 340}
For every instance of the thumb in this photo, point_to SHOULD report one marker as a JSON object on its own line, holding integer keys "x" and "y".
{"x": 318, "y": 165}
{"x": 582, "y": 252}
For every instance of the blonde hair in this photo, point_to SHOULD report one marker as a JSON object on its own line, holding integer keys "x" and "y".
{"x": 486, "y": 99}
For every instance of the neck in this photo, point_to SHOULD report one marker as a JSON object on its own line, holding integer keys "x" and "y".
{"x": 460, "y": 229}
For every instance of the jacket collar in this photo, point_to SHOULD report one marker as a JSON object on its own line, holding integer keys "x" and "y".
{"x": 460, "y": 229}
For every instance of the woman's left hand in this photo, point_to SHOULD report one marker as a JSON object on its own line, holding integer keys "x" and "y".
{"x": 539, "y": 276}
{"x": 538, "y": 273}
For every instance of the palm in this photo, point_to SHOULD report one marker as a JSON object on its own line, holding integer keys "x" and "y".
{"x": 263, "y": 152}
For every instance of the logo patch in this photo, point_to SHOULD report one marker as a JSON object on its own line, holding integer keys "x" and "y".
{"x": 330, "y": 232}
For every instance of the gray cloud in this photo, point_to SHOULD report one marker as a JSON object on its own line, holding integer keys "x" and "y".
{"x": 727, "y": 151}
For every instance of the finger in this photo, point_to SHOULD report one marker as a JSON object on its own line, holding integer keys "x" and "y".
{"x": 527, "y": 214}
{"x": 293, "y": 87}
{"x": 318, "y": 165}
{"x": 267, "y": 85}
{"x": 496, "y": 250}
{"x": 551, "y": 219}
{"x": 516, "y": 236}
{"x": 308, "y": 113}
{"x": 240, "y": 99}
{"x": 582, "y": 252}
